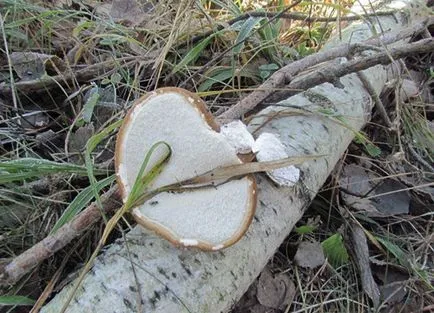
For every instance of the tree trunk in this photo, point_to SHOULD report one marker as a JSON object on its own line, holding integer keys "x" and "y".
{"x": 147, "y": 274}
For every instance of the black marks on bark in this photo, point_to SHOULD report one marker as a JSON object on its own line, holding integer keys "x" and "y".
{"x": 160, "y": 294}
{"x": 304, "y": 193}
{"x": 205, "y": 275}
{"x": 305, "y": 150}
{"x": 155, "y": 298}
{"x": 162, "y": 272}
{"x": 326, "y": 129}
{"x": 197, "y": 261}
{"x": 174, "y": 275}
{"x": 128, "y": 304}
{"x": 274, "y": 210}
{"x": 234, "y": 275}
{"x": 256, "y": 218}
{"x": 103, "y": 286}
{"x": 186, "y": 269}
{"x": 132, "y": 288}
{"x": 321, "y": 100}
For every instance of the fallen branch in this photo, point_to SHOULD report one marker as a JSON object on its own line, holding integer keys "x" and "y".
{"x": 88, "y": 73}
{"x": 284, "y": 75}
{"x": 32, "y": 257}
{"x": 332, "y": 72}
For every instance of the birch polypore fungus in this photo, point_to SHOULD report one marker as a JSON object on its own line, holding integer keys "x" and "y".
{"x": 208, "y": 217}
{"x": 268, "y": 147}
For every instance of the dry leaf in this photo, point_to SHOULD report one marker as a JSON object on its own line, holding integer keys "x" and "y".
{"x": 224, "y": 173}
{"x": 309, "y": 254}
{"x": 130, "y": 12}
{"x": 31, "y": 65}
{"x": 275, "y": 292}
{"x": 393, "y": 203}
{"x": 359, "y": 190}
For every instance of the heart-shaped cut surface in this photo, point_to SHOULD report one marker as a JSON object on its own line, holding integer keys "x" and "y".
{"x": 210, "y": 218}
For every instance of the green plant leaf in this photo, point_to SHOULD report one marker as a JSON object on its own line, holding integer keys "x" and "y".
{"x": 305, "y": 229}
{"x": 335, "y": 250}
{"x": 16, "y": 300}
{"x": 80, "y": 202}
{"x": 90, "y": 104}
{"x": 244, "y": 33}
{"x": 116, "y": 78}
{"x": 222, "y": 74}
{"x": 269, "y": 67}
{"x": 372, "y": 149}
{"x": 193, "y": 54}
{"x": 90, "y": 146}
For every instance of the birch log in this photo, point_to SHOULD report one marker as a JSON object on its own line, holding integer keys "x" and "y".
{"x": 147, "y": 274}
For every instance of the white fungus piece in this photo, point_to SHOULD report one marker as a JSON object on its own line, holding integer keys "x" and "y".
{"x": 189, "y": 242}
{"x": 268, "y": 147}
{"x": 218, "y": 247}
{"x": 238, "y": 136}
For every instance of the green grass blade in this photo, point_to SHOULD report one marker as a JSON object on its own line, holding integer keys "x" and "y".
{"x": 193, "y": 54}
{"x": 16, "y": 300}
{"x": 142, "y": 181}
{"x": 90, "y": 146}
{"x": 27, "y": 168}
{"x": 220, "y": 75}
{"x": 80, "y": 202}
{"x": 229, "y": 6}
{"x": 404, "y": 259}
{"x": 34, "y": 164}
{"x": 397, "y": 252}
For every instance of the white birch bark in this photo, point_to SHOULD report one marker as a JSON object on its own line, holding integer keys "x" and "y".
{"x": 169, "y": 280}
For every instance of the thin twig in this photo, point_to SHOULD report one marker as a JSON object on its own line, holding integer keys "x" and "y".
{"x": 331, "y": 73}
{"x": 377, "y": 101}
{"x": 419, "y": 158}
{"x": 284, "y": 75}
